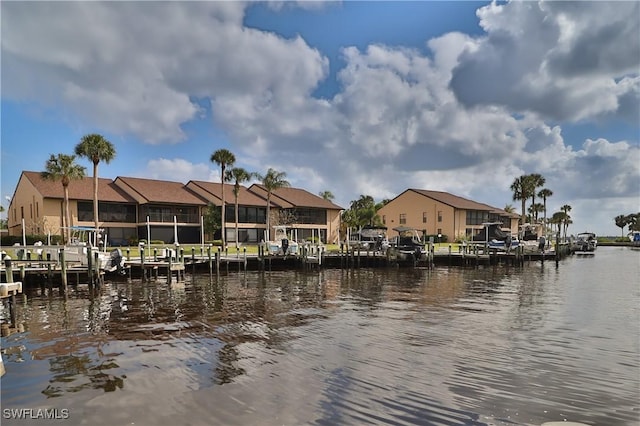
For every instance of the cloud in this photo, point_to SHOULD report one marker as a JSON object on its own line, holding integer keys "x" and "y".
{"x": 562, "y": 60}
{"x": 178, "y": 170}
{"x": 465, "y": 115}
{"x": 136, "y": 71}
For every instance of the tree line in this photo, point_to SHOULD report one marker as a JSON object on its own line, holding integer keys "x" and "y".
{"x": 631, "y": 220}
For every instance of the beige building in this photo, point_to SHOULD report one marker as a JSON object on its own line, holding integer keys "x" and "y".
{"x": 130, "y": 209}
{"x": 440, "y": 213}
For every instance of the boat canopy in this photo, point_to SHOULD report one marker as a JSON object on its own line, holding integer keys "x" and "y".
{"x": 492, "y": 231}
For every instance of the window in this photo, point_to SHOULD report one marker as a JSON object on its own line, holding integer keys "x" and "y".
{"x": 424, "y": 217}
{"x": 384, "y": 219}
{"x": 108, "y": 212}
{"x": 403, "y": 218}
{"x": 439, "y": 216}
{"x": 246, "y": 214}
{"x": 477, "y": 217}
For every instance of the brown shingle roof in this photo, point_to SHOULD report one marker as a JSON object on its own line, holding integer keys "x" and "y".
{"x": 213, "y": 192}
{"x": 78, "y": 189}
{"x": 294, "y": 197}
{"x": 457, "y": 202}
{"x": 158, "y": 191}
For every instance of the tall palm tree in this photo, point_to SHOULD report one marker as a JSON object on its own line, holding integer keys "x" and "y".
{"x": 95, "y": 148}
{"x": 544, "y": 194}
{"x": 557, "y": 219}
{"x": 522, "y": 187}
{"x": 63, "y": 168}
{"x": 238, "y": 175}
{"x": 621, "y": 222}
{"x": 567, "y": 219}
{"x": 272, "y": 181}
{"x": 327, "y": 195}
{"x": 535, "y": 181}
{"x": 224, "y": 158}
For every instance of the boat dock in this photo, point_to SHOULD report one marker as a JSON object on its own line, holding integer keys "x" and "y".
{"x": 174, "y": 263}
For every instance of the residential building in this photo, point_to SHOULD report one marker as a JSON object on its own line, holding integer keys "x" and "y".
{"x": 251, "y": 209}
{"x": 440, "y": 213}
{"x": 130, "y": 209}
{"x": 167, "y": 211}
{"x": 38, "y": 204}
{"x": 309, "y": 214}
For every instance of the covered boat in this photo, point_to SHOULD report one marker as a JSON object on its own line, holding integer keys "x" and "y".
{"x": 495, "y": 237}
{"x": 407, "y": 245}
{"x": 585, "y": 242}
{"x": 370, "y": 237}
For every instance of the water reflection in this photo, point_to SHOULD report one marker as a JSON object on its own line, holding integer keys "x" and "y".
{"x": 494, "y": 345}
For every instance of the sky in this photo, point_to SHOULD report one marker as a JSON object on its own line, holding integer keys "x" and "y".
{"x": 356, "y": 98}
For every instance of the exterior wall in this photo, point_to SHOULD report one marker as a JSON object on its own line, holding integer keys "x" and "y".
{"x": 28, "y": 204}
{"x": 414, "y": 205}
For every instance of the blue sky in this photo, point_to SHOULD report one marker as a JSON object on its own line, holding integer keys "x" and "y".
{"x": 352, "y": 97}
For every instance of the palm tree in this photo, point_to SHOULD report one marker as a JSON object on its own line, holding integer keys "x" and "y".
{"x": 509, "y": 208}
{"x": 223, "y": 158}
{"x": 557, "y": 219}
{"x": 63, "y": 168}
{"x": 621, "y": 222}
{"x": 272, "y": 181}
{"x": 238, "y": 175}
{"x": 95, "y": 148}
{"x": 544, "y": 194}
{"x": 522, "y": 187}
{"x": 536, "y": 181}
{"x": 327, "y": 195}
{"x": 567, "y": 219}
{"x": 534, "y": 209}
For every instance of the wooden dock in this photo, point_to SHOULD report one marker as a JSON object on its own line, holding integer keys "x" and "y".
{"x": 173, "y": 264}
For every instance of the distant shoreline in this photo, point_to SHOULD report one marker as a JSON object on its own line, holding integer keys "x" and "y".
{"x": 615, "y": 243}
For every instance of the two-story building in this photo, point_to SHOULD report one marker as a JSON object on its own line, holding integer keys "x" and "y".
{"x": 136, "y": 208}
{"x": 442, "y": 213}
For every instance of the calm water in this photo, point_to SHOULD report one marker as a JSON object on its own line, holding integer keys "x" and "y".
{"x": 339, "y": 347}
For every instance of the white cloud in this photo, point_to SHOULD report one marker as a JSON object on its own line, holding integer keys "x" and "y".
{"x": 467, "y": 117}
{"x": 563, "y": 60}
{"x": 178, "y": 170}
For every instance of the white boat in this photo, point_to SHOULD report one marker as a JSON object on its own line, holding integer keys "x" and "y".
{"x": 281, "y": 243}
{"x": 77, "y": 251}
{"x": 407, "y": 245}
{"x": 585, "y": 242}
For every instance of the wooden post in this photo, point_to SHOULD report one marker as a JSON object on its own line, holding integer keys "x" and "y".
{"x": 63, "y": 264}
{"x": 49, "y": 281}
{"x": 96, "y": 267}
{"x": 8, "y": 269}
{"x": 90, "y": 265}
{"x": 193, "y": 260}
{"x": 210, "y": 263}
{"x": 142, "y": 261}
{"x": 245, "y": 258}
